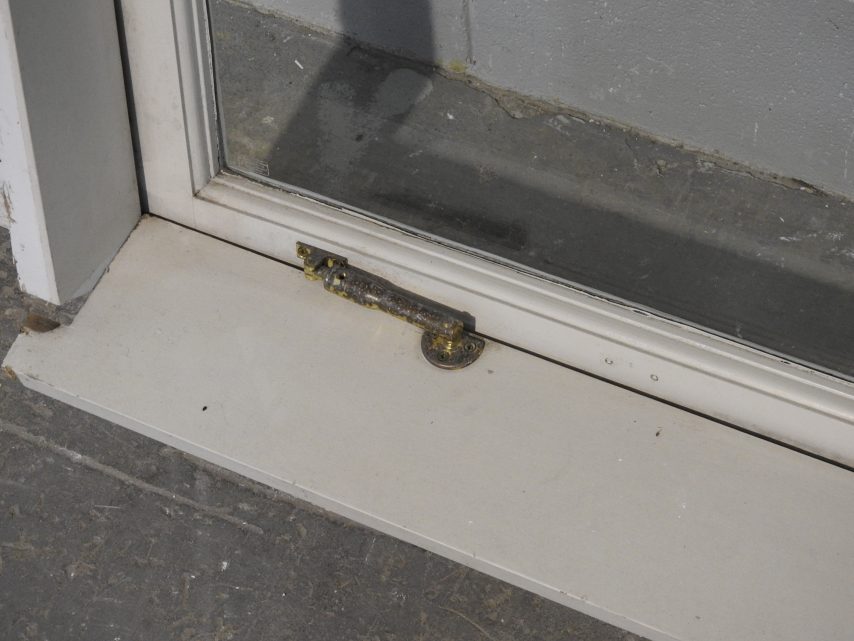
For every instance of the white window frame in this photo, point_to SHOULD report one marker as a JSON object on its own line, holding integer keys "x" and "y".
{"x": 168, "y": 54}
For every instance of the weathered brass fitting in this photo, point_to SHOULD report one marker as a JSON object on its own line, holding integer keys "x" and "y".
{"x": 446, "y": 342}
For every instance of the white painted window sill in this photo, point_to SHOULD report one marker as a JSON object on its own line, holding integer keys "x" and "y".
{"x": 646, "y": 516}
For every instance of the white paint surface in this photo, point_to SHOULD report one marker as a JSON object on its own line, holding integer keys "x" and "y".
{"x": 712, "y": 375}
{"x": 641, "y": 514}
{"x": 169, "y": 68}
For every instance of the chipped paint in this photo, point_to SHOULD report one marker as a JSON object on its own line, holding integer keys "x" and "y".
{"x": 6, "y": 208}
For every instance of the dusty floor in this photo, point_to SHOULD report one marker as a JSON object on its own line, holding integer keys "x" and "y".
{"x": 107, "y": 536}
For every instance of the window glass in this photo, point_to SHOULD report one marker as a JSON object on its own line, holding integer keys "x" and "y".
{"x": 376, "y": 105}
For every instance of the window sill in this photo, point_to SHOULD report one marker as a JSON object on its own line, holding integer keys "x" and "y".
{"x": 604, "y": 500}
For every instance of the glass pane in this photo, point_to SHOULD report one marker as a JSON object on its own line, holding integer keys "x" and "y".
{"x": 355, "y": 102}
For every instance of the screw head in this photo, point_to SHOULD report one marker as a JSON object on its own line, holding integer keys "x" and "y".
{"x": 448, "y": 355}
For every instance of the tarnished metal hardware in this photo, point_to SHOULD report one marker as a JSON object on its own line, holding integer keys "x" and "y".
{"x": 446, "y": 343}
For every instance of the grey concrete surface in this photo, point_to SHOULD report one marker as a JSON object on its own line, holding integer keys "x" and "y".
{"x": 108, "y": 536}
{"x": 765, "y": 262}
{"x": 767, "y": 82}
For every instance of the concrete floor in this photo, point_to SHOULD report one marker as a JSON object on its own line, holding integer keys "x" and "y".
{"x": 107, "y": 535}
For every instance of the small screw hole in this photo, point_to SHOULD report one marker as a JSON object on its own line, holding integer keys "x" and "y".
{"x": 342, "y": 275}
{"x": 443, "y": 356}
{"x": 470, "y": 347}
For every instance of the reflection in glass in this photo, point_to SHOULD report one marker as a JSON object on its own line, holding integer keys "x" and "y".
{"x": 356, "y": 102}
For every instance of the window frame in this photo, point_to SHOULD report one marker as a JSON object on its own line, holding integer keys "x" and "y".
{"x": 170, "y": 80}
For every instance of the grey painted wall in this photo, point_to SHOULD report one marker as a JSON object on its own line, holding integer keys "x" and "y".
{"x": 81, "y": 184}
{"x": 769, "y": 83}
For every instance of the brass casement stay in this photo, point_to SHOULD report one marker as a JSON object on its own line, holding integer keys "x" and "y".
{"x": 446, "y": 342}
